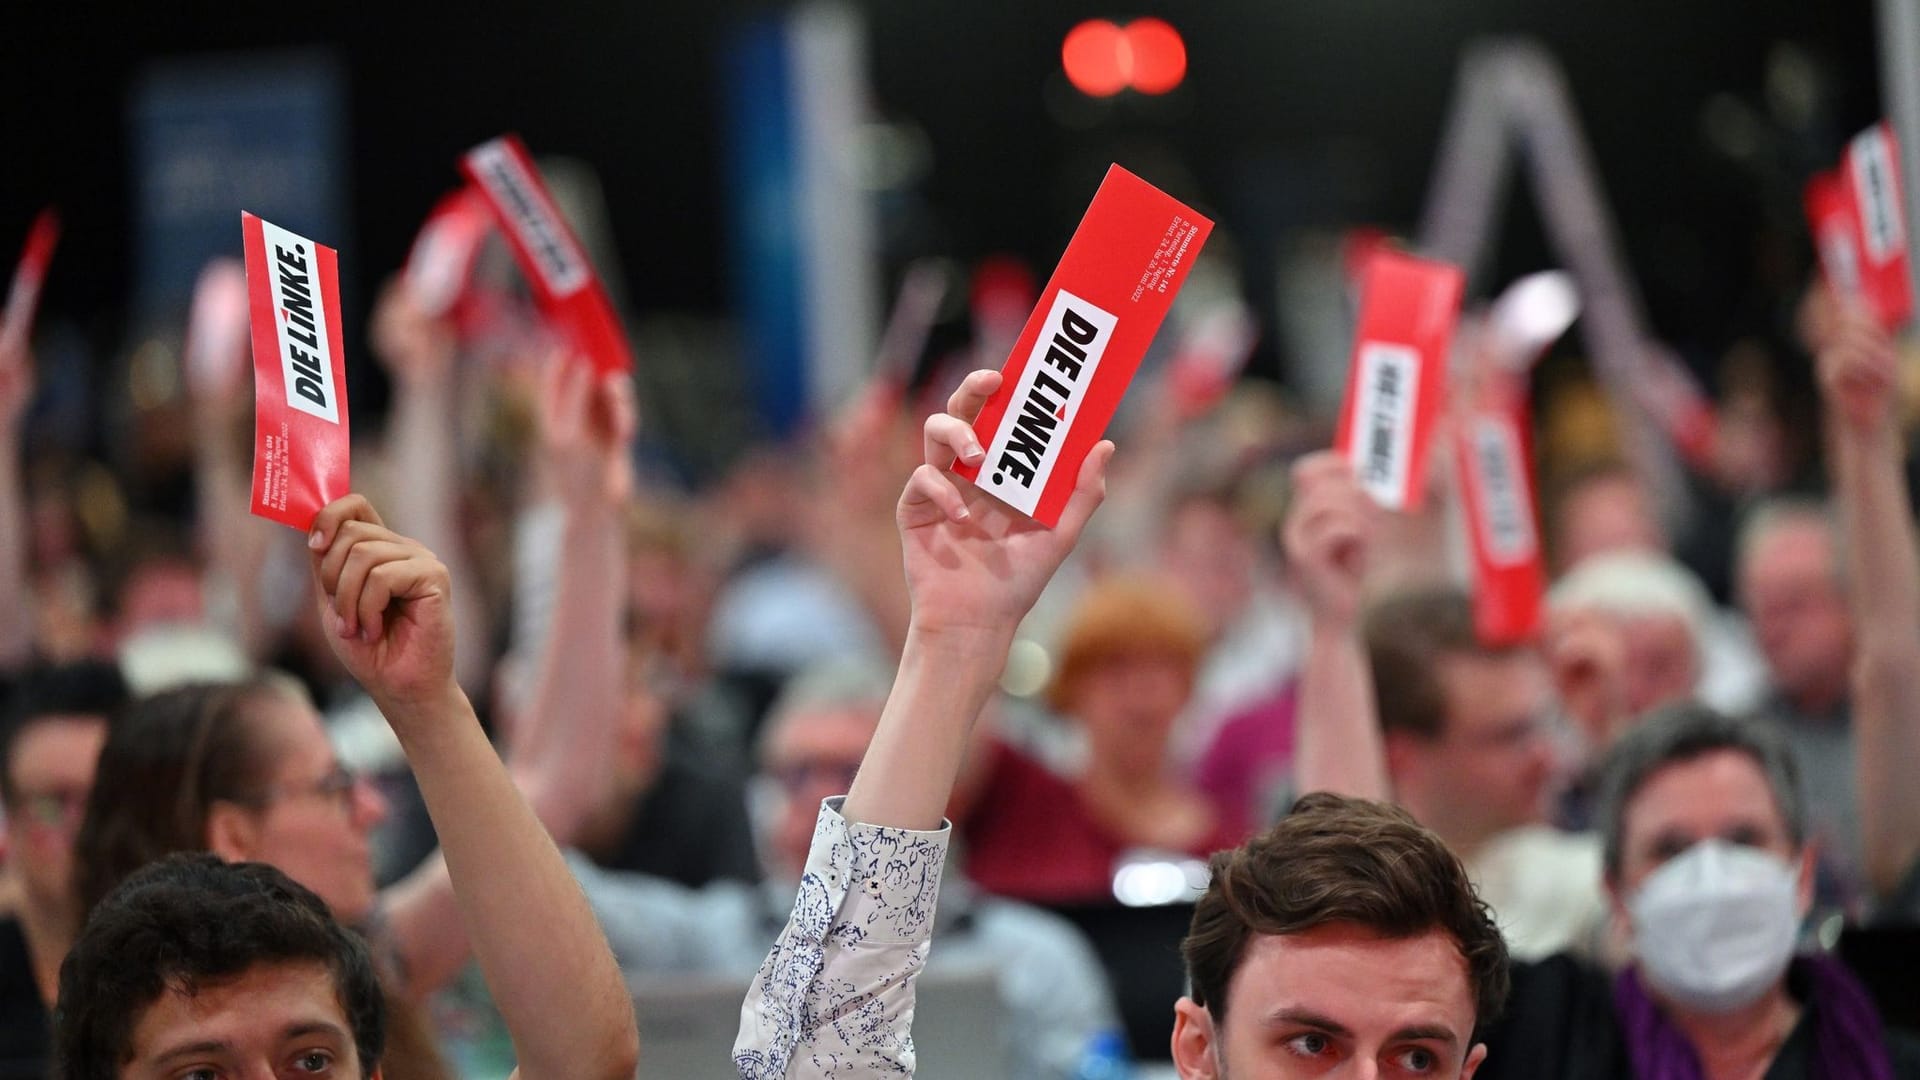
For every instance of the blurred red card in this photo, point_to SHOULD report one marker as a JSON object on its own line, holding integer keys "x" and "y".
{"x": 549, "y": 253}
{"x": 1509, "y": 580}
{"x": 1084, "y": 341}
{"x": 300, "y": 450}
{"x": 1872, "y": 169}
{"x": 1397, "y": 382}
{"x": 1830, "y": 221}
{"x": 23, "y": 296}
{"x": 443, "y": 252}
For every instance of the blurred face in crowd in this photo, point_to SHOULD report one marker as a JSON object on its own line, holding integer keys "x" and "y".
{"x": 1488, "y": 769}
{"x": 1337, "y": 1000}
{"x": 813, "y": 755}
{"x": 271, "y": 1020}
{"x": 50, "y": 772}
{"x": 1662, "y": 664}
{"x": 1720, "y": 795}
{"x": 311, "y": 819}
{"x": 1208, "y": 554}
{"x": 1793, "y": 598}
{"x": 1611, "y": 512}
{"x": 1127, "y": 704}
{"x": 161, "y": 593}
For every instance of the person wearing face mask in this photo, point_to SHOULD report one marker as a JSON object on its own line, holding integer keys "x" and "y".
{"x": 1704, "y": 825}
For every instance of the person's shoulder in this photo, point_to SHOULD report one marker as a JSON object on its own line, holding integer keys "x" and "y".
{"x": 1559, "y": 1022}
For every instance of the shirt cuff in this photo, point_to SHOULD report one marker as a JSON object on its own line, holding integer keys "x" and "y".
{"x": 889, "y": 877}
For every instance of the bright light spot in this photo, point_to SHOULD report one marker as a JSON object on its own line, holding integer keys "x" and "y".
{"x": 1093, "y": 55}
{"x": 1158, "y": 58}
{"x": 1153, "y": 882}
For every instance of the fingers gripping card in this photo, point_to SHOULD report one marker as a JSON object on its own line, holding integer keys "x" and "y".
{"x": 548, "y": 252}
{"x": 1397, "y": 382}
{"x": 1084, "y": 341}
{"x": 300, "y": 449}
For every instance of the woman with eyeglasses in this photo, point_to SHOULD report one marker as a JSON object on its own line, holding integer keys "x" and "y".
{"x": 246, "y": 770}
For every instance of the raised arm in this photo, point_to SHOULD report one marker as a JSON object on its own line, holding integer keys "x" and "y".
{"x": 16, "y": 392}
{"x": 1859, "y": 372}
{"x": 1328, "y": 537}
{"x": 559, "y": 745}
{"x": 559, "y": 748}
{"x": 385, "y": 601}
{"x": 974, "y": 569}
{"x": 423, "y": 452}
{"x": 837, "y": 989}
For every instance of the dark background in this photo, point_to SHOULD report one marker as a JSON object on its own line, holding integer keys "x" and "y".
{"x": 1322, "y": 112}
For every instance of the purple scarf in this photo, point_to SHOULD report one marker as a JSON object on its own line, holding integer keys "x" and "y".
{"x": 1848, "y": 1041}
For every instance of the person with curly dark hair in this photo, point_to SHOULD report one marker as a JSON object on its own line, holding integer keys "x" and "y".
{"x": 195, "y": 956}
{"x": 384, "y": 600}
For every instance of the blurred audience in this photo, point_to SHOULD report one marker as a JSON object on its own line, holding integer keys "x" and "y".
{"x": 1127, "y": 663}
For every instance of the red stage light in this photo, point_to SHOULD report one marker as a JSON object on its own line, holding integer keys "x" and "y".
{"x": 1095, "y": 55}
{"x": 1158, "y": 56}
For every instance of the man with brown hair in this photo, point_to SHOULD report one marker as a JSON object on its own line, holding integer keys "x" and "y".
{"x": 1346, "y": 934}
{"x": 1462, "y": 740}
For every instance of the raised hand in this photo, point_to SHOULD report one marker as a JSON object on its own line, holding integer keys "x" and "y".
{"x": 972, "y": 562}
{"x": 1859, "y": 373}
{"x": 587, "y": 422}
{"x": 385, "y": 602}
{"x": 414, "y": 347}
{"x": 1328, "y": 537}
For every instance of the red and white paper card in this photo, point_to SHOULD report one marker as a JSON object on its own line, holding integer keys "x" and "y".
{"x": 1872, "y": 171}
{"x": 1830, "y": 219}
{"x": 1084, "y": 341}
{"x": 441, "y": 260}
{"x": 1397, "y": 382}
{"x": 1509, "y": 578}
{"x": 549, "y": 253}
{"x": 23, "y": 296}
{"x": 300, "y": 451}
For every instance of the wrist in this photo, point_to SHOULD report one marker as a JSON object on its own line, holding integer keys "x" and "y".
{"x": 1333, "y": 627}
{"x": 970, "y": 645}
{"x": 418, "y": 716}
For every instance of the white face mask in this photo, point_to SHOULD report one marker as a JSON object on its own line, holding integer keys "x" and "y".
{"x": 1715, "y": 926}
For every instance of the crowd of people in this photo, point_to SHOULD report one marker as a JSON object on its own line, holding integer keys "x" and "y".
{"x": 448, "y": 797}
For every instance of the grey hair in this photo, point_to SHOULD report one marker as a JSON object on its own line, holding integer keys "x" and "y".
{"x": 839, "y": 683}
{"x": 1780, "y": 511}
{"x": 1683, "y": 732}
{"x": 1636, "y": 584}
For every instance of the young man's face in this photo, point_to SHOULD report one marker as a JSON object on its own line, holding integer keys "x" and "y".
{"x": 274, "y": 1021}
{"x": 1337, "y": 1000}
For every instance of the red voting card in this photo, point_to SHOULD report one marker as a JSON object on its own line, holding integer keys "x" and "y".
{"x": 1872, "y": 170}
{"x": 1086, "y": 337}
{"x": 1509, "y": 579}
{"x": 299, "y": 374}
{"x": 23, "y": 297}
{"x": 548, "y": 252}
{"x": 443, "y": 252}
{"x": 1830, "y": 220}
{"x": 1397, "y": 382}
